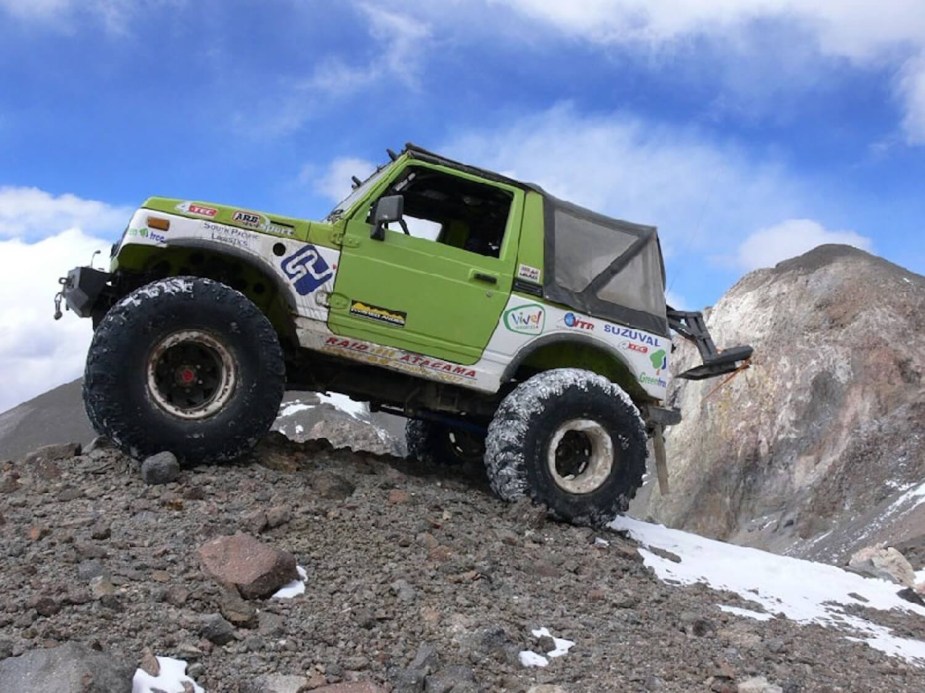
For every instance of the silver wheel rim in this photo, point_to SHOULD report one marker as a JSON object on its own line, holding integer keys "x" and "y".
{"x": 580, "y": 456}
{"x": 191, "y": 375}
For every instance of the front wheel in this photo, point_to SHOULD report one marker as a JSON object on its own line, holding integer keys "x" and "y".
{"x": 187, "y": 365}
{"x": 570, "y": 439}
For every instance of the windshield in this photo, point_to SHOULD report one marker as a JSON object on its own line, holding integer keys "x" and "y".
{"x": 356, "y": 194}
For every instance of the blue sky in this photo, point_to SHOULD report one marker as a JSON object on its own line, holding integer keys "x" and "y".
{"x": 746, "y": 131}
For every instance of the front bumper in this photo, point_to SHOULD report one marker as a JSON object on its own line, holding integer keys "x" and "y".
{"x": 81, "y": 289}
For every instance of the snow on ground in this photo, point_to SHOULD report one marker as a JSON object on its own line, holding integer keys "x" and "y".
{"x": 346, "y": 405}
{"x": 802, "y": 591}
{"x": 561, "y": 646}
{"x": 341, "y": 402}
{"x": 294, "y": 588}
{"x": 169, "y": 680}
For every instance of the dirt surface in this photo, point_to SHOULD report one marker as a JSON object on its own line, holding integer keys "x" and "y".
{"x": 418, "y": 579}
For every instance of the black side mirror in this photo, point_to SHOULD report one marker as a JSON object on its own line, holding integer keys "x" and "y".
{"x": 387, "y": 209}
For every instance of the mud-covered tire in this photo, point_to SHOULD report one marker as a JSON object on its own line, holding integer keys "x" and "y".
{"x": 571, "y": 440}
{"x": 437, "y": 443}
{"x": 187, "y": 365}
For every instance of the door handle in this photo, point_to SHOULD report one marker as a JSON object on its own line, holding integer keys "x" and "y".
{"x": 480, "y": 276}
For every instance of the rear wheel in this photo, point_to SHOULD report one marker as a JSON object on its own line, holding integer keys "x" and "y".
{"x": 187, "y": 365}
{"x": 569, "y": 439}
{"x": 437, "y": 443}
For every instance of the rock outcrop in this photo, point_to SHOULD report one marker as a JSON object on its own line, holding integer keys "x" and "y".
{"x": 819, "y": 448}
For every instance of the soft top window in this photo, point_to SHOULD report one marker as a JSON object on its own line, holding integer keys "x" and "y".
{"x": 605, "y": 267}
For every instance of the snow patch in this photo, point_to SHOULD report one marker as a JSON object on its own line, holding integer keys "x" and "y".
{"x": 802, "y": 591}
{"x": 170, "y": 679}
{"x": 295, "y": 407}
{"x": 294, "y": 588}
{"x": 346, "y": 405}
{"x": 562, "y": 646}
{"x": 531, "y": 659}
{"x": 528, "y": 658}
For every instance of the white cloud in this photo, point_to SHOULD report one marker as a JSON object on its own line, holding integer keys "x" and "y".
{"x": 791, "y": 44}
{"x": 698, "y": 193}
{"x": 398, "y": 52}
{"x": 335, "y": 182}
{"x": 401, "y": 41}
{"x": 37, "y": 353}
{"x": 115, "y": 15}
{"x": 767, "y": 247}
{"x": 911, "y": 86}
{"x": 30, "y": 211}
{"x": 855, "y": 30}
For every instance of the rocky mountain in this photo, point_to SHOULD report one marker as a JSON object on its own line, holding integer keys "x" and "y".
{"x": 56, "y": 416}
{"x": 818, "y": 449}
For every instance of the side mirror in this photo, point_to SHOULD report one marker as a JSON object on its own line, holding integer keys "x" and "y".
{"x": 387, "y": 209}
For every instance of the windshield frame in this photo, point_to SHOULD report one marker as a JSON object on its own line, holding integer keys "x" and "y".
{"x": 357, "y": 193}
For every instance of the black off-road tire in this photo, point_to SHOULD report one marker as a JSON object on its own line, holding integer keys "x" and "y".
{"x": 571, "y": 440}
{"x": 437, "y": 443}
{"x": 187, "y": 365}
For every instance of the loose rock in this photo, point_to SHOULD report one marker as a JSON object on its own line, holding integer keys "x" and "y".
{"x": 161, "y": 468}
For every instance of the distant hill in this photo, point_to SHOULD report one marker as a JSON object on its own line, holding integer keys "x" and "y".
{"x": 56, "y": 416}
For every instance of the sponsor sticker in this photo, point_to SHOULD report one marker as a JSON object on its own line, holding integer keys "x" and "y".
{"x": 194, "y": 208}
{"x": 531, "y": 274}
{"x": 576, "y": 323}
{"x": 526, "y": 319}
{"x": 367, "y": 310}
{"x": 147, "y": 233}
{"x": 279, "y": 228}
{"x": 659, "y": 360}
{"x": 632, "y": 346}
{"x": 402, "y": 359}
{"x": 228, "y": 235}
{"x": 306, "y": 269}
{"x": 248, "y": 219}
{"x": 635, "y": 335}
{"x": 261, "y": 223}
{"x": 646, "y": 379}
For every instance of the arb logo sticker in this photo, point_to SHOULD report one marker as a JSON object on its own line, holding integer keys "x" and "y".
{"x": 306, "y": 269}
{"x": 529, "y": 319}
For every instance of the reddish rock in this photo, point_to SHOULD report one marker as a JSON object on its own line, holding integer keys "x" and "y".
{"x": 36, "y": 532}
{"x": 398, "y": 496}
{"x": 354, "y": 687}
{"x": 255, "y": 569}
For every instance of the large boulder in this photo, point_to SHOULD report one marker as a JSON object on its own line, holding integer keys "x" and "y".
{"x": 255, "y": 569}
{"x": 817, "y": 450}
{"x": 69, "y": 668}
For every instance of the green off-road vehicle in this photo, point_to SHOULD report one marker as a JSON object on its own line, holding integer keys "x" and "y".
{"x": 505, "y": 324}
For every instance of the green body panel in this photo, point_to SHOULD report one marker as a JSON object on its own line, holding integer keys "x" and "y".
{"x": 435, "y": 296}
{"x": 532, "y": 236}
{"x": 272, "y": 224}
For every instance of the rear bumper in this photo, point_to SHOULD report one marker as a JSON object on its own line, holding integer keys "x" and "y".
{"x": 82, "y": 288}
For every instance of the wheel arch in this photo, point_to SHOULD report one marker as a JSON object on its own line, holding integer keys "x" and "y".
{"x": 574, "y": 351}
{"x": 234, "y": 267}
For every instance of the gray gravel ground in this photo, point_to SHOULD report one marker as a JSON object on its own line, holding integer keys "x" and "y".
{"x": 418, "y": 579}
